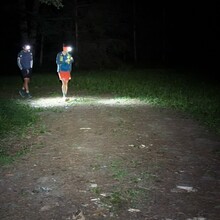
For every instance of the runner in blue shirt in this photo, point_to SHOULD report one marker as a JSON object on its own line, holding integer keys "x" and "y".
{"x": 25, "y": 64}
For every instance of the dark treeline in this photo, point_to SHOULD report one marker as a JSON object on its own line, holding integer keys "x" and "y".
{"x": 112, "y": 33}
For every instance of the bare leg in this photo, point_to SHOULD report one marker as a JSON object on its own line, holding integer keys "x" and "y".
{"x": 26, "y": 84}
{"x": 24, "y": 92}
{"x": 64, "y": 87}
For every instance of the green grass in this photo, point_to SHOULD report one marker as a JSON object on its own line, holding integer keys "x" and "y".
{"x": 130, "y": 187}
{"x": 189, "y": 92}
{"x": 15, "y": 116}
{"x": 15, "y": 120}
{"x": 7, "y": 158}
{"x": 118, "y": 173}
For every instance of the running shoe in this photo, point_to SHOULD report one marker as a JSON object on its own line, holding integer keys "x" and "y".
{"x": 22, "y": 93}
{"x": 28, "y": 95}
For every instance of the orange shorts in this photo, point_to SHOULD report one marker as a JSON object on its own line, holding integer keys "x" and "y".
{"x": 64, "y": 75}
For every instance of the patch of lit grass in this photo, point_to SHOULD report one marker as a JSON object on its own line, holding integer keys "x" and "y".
{"x": 96, "y": 190}
{"x": 15, "y": 117}
{"x": 189, "y": 92}
{"x": 118, "y": 172}
{"x": 7, "y": 158}
{"x": 132, "y": 186}
{"x": 122, "y": 198}
{"x": 16, "y": 120}
{"x": 184, "y": 91}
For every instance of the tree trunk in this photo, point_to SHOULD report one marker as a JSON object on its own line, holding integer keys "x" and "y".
{"x": 28, "y": 23}
{"x": 34, "y": 24}
{"x": 134, "y": 32}
{"x": 23, "y": 24}
{"x": 41, "y": 50}
{"x": 76, "y": 35}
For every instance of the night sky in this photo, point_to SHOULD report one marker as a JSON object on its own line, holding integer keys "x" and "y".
{"x": 171, "y": 35}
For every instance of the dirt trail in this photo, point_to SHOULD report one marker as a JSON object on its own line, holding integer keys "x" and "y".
{"x": 114, "y": 162}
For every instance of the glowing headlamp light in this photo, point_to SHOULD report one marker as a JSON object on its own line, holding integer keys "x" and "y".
{"x": 27, "y": 47}
{"x": 69, "y": 49}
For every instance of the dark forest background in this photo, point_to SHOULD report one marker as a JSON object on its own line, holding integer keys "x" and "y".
{"x": 112, "y": 33}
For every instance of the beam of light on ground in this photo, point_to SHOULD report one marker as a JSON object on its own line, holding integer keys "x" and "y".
{"x": 82, "y": 100}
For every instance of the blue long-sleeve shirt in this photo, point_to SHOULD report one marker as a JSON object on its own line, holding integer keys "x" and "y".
{"x": 64, "y": 62}
{"x": 25, "y": 60}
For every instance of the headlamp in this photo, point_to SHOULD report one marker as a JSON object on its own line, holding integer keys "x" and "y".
{"x": 27, "y": 47}
{"x": 69, "y": 49}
